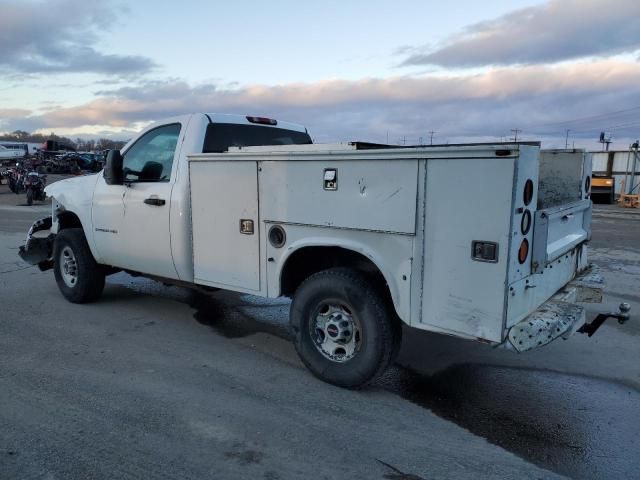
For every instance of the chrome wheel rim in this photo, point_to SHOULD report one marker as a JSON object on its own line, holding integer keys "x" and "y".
{"x": 335, "y": 331}
{"x": 68, "y": 267}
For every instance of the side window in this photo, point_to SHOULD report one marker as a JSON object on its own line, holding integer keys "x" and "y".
{"x": 150, "y": 159}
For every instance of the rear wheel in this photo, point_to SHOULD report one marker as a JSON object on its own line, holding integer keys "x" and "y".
{"x": 344, "y": 331}
{"x": 29, "y": 196}
{"x": 79, "y": 277}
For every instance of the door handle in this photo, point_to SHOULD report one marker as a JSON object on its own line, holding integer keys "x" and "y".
{"x": 155, "y": 201}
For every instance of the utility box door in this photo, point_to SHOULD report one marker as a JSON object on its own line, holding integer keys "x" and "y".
{"x": 368, "y": 195}
{"x": 467, "y": 200}
{"x": 223, "y": 196}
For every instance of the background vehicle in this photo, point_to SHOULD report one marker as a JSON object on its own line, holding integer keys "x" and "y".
{"x": 603, "y": 189}
{"x": 358, "y": 235}
{"x": 52, "y": 148}
{"x": 34, "y": 184}
{"x": 16, "y": 178}
{"x": 8, "y": 153}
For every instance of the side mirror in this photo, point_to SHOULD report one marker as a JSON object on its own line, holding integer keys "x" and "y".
{"x": 113, "y": 173}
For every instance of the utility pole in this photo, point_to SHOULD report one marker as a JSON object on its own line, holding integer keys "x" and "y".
{"x": 566, "y": 140}
{"x": 515, "y": 131}
{"x": 604, "y": 140}
{"x": 431, "y": 132}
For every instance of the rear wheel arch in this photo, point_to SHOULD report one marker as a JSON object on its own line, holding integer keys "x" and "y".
{"x": 307, "y": 260}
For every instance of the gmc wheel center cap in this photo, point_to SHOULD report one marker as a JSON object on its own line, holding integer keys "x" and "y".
{"x": 332, "y": 330}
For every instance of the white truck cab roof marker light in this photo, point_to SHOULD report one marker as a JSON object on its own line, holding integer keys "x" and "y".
{"x": 262, "y": 120}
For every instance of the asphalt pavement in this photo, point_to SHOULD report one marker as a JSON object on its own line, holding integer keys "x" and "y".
{"x": 158, "y": 382}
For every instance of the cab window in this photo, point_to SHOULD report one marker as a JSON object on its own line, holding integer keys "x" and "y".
{"x": 150, "y": 159}
{"x": 221, "y": 136}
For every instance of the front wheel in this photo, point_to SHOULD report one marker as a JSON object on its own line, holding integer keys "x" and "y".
{"x": 79, "y": 277}
{"x": 29, "y": 196}
{"x": 344, "y": 331}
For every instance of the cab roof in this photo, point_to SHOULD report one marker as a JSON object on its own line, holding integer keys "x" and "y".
{"x": 244, "y": 120}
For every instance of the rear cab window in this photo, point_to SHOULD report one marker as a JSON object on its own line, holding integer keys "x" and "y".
{"x": 221, "y": 136}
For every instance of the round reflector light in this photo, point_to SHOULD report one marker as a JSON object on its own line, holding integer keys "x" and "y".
{"x": 523, "y": 251}
{"x": 525, "y": 223}
{"x": 527, "y": 195}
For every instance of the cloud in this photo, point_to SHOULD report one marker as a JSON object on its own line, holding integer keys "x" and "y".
{"x": 537, "y": 99}
{"x": 555, "y": 31}
{"x": 10, "y": 117}
{"x": 13, "y": 113}
{"x": 60, "y": 36}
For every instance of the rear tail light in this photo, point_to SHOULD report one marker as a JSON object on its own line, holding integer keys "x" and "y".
{"x": 263, "y": 120}
{"x": 523, "y": 251}
{"x": 587, "y": 184}
{"x": 527, "y": 195}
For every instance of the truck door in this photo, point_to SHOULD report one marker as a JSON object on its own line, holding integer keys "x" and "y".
{"x": 132, "y": 221}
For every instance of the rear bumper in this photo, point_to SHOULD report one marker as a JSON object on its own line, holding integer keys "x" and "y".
{"x": 559, "y": 316}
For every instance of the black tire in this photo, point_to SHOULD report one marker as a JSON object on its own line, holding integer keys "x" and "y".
{"x": 89, "y": 275}
{"x": 368, "y": 311}
{"x": 29, "y": 196}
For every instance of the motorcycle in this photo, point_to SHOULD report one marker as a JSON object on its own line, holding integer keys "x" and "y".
{"x": 34, "y": 184}
{"x": 5, "y": 174}
{"x": 16, "y": 179}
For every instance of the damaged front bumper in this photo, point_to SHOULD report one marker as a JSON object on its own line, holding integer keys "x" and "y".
{"x": 38, "y": 248}
{"x": 561, "y": 316}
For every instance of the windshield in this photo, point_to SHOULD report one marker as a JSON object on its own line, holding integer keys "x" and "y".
{"x": 221, "y": 136}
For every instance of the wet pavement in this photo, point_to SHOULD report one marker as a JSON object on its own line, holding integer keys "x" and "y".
{"x": 576, "y": 426}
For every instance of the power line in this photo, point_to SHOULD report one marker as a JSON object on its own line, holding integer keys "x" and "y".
{"x": 619, "y": 126}
{"x": 591, "y": 117}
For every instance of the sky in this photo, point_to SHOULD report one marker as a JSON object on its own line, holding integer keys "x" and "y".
{"x": 407, "y": 71}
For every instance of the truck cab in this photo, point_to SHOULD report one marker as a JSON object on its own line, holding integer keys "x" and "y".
{"x": 140, "y": 222}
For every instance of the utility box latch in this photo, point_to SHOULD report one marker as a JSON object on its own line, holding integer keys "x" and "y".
{"x": 330, "y": 179}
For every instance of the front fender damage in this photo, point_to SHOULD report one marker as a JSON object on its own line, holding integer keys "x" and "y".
{"x": 38, "y": 249}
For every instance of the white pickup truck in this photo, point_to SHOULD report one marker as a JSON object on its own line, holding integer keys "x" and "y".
{"x": 486, "y": 242}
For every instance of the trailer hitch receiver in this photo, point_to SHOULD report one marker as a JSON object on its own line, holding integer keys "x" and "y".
{"x": 622, "y": 316}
